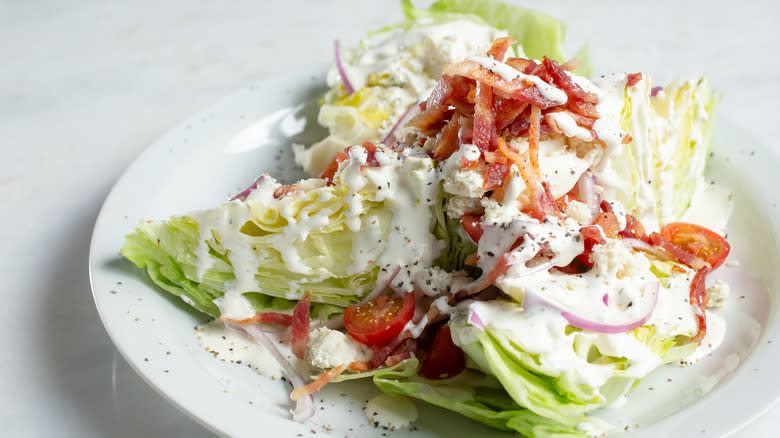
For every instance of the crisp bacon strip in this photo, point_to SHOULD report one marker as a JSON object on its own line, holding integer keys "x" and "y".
{"x": 533, "y": 137}
{"x": 275, "y": 318}
{"x": 541, "y": 201}
{"x": 698, "y": 298}
{"x": 634, "y": 229}
{"x": 433, "y": 109}
{"x": 484, "y": 131}
{"x": 514, "y": 89}
{"x": 500, "y": 46}
{"x": 299, "y": 328}
{"x": 507, "y": 111}
{"x": 486, "y": 280}
{"x": 359, "y": 366}
{"x": 397, "y": 358}
{"x": 564, "y": 82}
{"x": 521, "y": 64}
{"x": 677, "y": 253}
{"x": 608, "y": 223}
{"x": 571, "y": 64}
{"x": 333, "y": 166}
{"x": 382, "y": 354}
{"x": 495, "y": 175}
{"x": 586, "y": 109}
{"x": 286, "y": 190}
{"x": 632, "y": 79}
{"x": 447, "y": 143}
{"x": 322, "y": 380}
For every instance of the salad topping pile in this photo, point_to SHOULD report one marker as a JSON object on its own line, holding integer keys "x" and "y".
{"x": 488, "y": 232}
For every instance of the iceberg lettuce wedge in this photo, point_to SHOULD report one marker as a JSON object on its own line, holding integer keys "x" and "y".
{"x": 658, "y": 172}
{"x": 331, "y": 240}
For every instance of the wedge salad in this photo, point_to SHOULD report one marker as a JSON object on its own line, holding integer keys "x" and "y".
{"x": 487, "y": 229}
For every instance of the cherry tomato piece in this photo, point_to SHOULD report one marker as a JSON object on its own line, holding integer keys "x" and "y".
{"x": 380, "y": 320}
{"x": 472, "y": 227}
{"x": 698, "y": 241}
{"x": 445, "y": 359}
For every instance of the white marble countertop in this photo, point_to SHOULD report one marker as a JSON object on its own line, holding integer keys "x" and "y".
{"x": 86, "y": 86}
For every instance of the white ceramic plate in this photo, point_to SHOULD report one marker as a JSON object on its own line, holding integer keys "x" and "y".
{"x": 218, "y": 152}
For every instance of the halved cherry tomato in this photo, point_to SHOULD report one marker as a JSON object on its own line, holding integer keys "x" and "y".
{"x": 380, "y": 320}
{"x": 472, "y": 227}
{"x": 698, "y": 241}
{"x": 445, "y": 359}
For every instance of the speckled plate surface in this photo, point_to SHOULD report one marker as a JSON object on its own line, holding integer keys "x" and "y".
{"x": 219, "y": 151}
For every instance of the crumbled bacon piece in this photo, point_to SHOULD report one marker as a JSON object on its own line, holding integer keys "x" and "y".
{"x": 299, "y": 328}
{"x": 698, "y": 298}
{"x": 322, "y": 380}
{"x": 275, "y": 318}
{"x": 500, "y": 46}
{"x": 484, "y": 131}
{"x": 447, "y": 143}
{"x": 632, "y": 79}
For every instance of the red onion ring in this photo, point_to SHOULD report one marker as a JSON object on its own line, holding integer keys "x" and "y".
{"x": 390, "y": 137}
{"x": 304, "y": 407}
{"x": 532, "y": 300}
{"x": 340, "y": 67}
{"x": 380, "y": 287}
{"x": 245, "y": 193}
{"x": 586, "y": 186}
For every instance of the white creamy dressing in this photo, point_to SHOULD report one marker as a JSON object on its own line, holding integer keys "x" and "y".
{"x": 408, "y": 186}
{"x": 569, "y": 126}
{"x": 237, "y": 347}
{"x": 559, "y": 164}
{"x": 613, "y": 95}
{"x": 543, "y": 330}
{"x": 225, "y": 222}
{"x": 390, "y": 412}
{"x": 716, "y": 332}
{"x": 509, "y": 74}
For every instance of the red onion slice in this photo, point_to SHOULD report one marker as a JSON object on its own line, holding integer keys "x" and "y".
{"x": 390, "y": 137}
{"x": 304, "y": 407}
{"x": 475, "y": 320}
{"x": 380, "y": 287}
{"x": 340, "y": 67}
{"x": 531, "y": 300}
{"x": 245, "y": 193}
{"x": 586, "y": 186}
{"x": 655, "y": 90}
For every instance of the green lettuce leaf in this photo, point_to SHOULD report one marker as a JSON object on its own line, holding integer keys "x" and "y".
{"x": 448, "y": 229}
{"x": 474, "y": 395}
